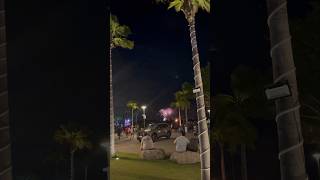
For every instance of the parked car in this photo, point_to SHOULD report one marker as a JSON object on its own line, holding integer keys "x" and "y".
{"x": 156, "y": 131}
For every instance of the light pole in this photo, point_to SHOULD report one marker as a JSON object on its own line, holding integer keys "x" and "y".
{"x": 144, "y": 107}
{"x": 316, "y": 156}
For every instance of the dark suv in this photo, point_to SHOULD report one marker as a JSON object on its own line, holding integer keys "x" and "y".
{"x": 156, "y": 131}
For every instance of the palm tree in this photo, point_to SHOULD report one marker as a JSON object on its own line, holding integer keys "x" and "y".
{"x": 177, "y": 104}
{"x": 250, "y": 102}
{"x": 190, "y": 8}
{"x": 56, "y": 158}
{"x": 246, "y": 103}
{"x": 133, "y": 106}
{"x": 75, "y": 139}
{"x": 311, "y": 120}
{"x": 187, "y": 97}
{"x": 118, "y": 38}
{"x": 86, "y": 161}
{"x": 291, "y": 155}
{"x": 182, "y": 100}
{"x": 5, "y": 145}
{"x": 232, "y": 128}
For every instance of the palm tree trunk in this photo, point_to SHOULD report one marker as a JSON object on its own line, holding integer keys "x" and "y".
{"x": 244, "y": 162}
{"x": 179, "y": 117}
{"x": 186, "y": 114}
{"x": 233, "y": 168}
{"x": 86, "y": 173}
{"x": 186, "y": 122}
{"x": 292, "y": 162}
{"x": 202, "y": 120}
{"x": 132, "y": 119}
{"x": 72, "y": 165}
{"x": 223, "y": 170}
{"x": 5, "y": 146}
{"x": 57, "y": 169}
{"x": 112, "y": 149}
{"x": 137, "y": 120}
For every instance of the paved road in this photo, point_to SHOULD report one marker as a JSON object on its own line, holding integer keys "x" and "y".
{"x": 133, "y": 145}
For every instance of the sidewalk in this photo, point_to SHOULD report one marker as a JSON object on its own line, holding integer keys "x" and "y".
{"x": 133, "y": 145}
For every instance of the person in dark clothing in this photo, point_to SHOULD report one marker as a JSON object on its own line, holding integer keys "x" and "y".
{"x": 119, "y": 130}
{"x": 194, "y": 144}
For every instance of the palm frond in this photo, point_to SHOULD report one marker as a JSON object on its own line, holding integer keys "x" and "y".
{"x": 119, "y": 34}
{"x": 122, "y": 42}
{"x": 313, "y": 109}
{"x": 202, "y": 4}
{"x": 132, "y": 105}
{"x": 74, "y": 138}
{"x": 177, "y": 4}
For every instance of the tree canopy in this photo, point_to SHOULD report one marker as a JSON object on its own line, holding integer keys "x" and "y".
{"x": 75, "y": 139}
{"x": 119, "y": 34}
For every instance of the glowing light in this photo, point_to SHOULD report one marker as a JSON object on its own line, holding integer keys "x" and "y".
{"x": 144, "y": 107}
{"x": 166, "y": 113}
{"x": 176, "y": 120}
{"x": 127, "y": 122}
{"x": 117, "y": 158}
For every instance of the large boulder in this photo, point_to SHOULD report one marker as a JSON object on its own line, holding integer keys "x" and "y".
{"x": 152, "y": 154}
{"x": 187, "y": 157}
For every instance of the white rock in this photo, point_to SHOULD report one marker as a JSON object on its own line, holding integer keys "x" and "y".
{"x": 187, "y": 157}
{"x": 152, "y": 154}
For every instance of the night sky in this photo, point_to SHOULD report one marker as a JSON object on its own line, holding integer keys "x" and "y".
{"x": 58, "y": 66}
{"x": 161, "y": 61}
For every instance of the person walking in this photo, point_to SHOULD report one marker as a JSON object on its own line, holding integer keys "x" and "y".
{"x": 119, "y": 130}
{"x": 130, "y": 129}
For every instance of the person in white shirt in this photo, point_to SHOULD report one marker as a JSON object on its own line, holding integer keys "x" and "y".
{"x": 146, "y": 142}
{"x": 181, "y": 142}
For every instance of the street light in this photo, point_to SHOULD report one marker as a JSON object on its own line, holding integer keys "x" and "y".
{"x": 208, "y": 116}
{"x": 144, "y": 107}
{"x": 316, "y": 156}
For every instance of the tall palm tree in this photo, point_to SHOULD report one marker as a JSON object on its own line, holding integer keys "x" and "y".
{"x": 55, "y": 157}
{"x": 182, "y": 101}
{"x": 291, "y": 155}
{"x": 133, "y": 106}
{"x": 249, "y": 101}
{"x": 177, "y": 104}
{"x": 118, "y": 38}
{"x": 190, "y": 8}
{"x": 187, "y": 97}
{"x": 245, "y": 104}
{"x": 75, "y": 139}
{"x": 311, "y": 120}
{"x": 232, "y": 128}
{"x": 5, "y": 145}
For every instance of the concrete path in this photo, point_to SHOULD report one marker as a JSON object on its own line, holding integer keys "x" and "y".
{"x": 133, "y": 145}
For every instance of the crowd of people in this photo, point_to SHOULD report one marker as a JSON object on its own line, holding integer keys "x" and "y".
{"x": 182, "y": 143}
{"x": 128, "y": 131}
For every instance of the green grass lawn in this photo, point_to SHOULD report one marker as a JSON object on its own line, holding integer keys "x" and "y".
{"x": 131, "y": 167}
